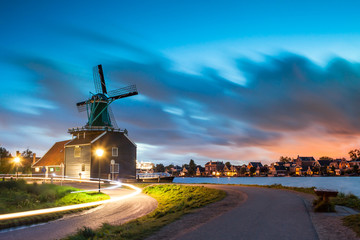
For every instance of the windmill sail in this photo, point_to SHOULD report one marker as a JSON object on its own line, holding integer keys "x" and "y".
{"x": 123, "y": 92}
{"x": 97, "y": 80}
{"x": 112, "y": 118}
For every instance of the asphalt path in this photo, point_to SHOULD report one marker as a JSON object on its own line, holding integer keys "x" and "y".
{"x": 115, "y": 213}
{"x": 265, "y": 214}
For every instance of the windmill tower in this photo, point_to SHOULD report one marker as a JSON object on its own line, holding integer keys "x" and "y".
{"x": 101, "y": 131}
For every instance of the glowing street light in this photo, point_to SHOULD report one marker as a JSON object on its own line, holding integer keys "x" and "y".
{"x": 99, "y": 153}
{"x": 17, "y": 161}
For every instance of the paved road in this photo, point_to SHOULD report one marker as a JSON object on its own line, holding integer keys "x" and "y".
{"x": 115, "y": 212}
{"x": 266, "y": 214}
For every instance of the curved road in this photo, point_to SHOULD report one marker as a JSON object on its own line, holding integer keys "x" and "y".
{"x": 114, "y": 212}
{"x": 266, "y": 214}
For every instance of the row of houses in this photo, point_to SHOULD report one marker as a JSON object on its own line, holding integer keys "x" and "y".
{"x": 300, "y": 166}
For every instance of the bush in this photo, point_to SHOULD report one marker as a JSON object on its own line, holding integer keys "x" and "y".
{"x": 323, "y": 206}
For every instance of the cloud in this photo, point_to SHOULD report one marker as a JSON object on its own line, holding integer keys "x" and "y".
{"x": 210, "y": 116}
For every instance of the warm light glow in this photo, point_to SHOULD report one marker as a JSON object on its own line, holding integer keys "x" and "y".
{"x": 17, "y": 160}
{"x": 71, "y": 207}
{"x": 99, "y": 152}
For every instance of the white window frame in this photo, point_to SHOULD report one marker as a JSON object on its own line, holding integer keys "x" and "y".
{"x": 116, "y": 152}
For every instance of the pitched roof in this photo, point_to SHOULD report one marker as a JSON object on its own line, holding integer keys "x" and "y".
{"x": 54, "y": 157}
{"x": 324, "y": 162}
{"x": 256, "y": 164}
{"x": 307, "y": 158}
{"x": 89, "y": 137}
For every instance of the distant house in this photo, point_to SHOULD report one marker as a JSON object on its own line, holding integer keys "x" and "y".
{"x": 278, "y": 170}
{"x": 200, "y": 171}
{"x": 254, "y": 164}
{"x": 214, "y": 168}
{"x": 176, "y": 170}
{"x": 184, "y": 172}
{"x": 304, "y": 162}
{"x": 52, "y": 162}
{"x": 230, "y": 171}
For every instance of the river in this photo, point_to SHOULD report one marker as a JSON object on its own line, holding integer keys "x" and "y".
{"x": 341, "y": 184}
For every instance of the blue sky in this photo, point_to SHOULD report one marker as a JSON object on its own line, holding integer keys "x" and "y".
{"x": 218, "y": 80}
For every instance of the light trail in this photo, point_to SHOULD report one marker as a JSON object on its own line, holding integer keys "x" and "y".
{"x": 71, "y": 207}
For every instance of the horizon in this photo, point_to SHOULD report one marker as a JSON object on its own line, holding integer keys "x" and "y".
{"x": 226, "y": 81}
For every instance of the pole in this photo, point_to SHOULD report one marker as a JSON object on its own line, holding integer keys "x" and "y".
{"x": 17, "y": 172}
{"x": 99, "y": 174}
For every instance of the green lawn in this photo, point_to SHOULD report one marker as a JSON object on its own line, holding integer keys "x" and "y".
{"x": 173, "y": 202}
{"x": 18, "y": 196}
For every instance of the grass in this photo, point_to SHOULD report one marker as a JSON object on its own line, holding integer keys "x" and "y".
{"x": 18, "y": 196}
{"x": 353, "y": 222}
{"x": 173, "y": 202}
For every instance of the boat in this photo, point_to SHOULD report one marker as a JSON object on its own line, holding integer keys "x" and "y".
{"x": 154, "y": 177}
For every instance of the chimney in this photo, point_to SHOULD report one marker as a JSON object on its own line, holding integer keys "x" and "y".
{"x": 34, "y": 158}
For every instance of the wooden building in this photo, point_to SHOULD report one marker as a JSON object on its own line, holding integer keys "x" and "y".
{"x": 118, "y": 161}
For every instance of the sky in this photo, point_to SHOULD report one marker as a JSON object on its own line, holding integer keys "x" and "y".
{"x": 234, "y": 81}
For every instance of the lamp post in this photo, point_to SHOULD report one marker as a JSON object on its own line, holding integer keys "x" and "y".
{"x": 17, "y": 161}
{"x": 99, "y": 153}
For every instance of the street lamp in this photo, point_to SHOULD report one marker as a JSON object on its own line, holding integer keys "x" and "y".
{"x": 17, "y": 161}
{"x": 99, "y": 153}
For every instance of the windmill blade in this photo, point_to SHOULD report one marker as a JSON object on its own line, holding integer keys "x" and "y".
{"x": 101, "y": 73}
{"x": 81, "y": 106}
{"x": 112, "y": 118}
{"x": 97, "y": 80}
{"x": 123, "y": 92}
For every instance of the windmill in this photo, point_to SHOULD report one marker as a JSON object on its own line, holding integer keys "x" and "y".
{"x": 97, "y": 107}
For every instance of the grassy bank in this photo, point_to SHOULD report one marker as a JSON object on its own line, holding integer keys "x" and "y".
{"x": 18, "y": 196}
{"x": 173, "y": 202}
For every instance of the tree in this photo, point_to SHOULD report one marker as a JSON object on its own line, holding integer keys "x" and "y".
{"x": 252, "y": 170}
{"x": 5, "y": 160}
{"x": 356, "y": 169}
{"x": 326, "y": 158}
{"x": 323, "y": 170}
{"x": 192, "y": 167}
{"x": 4, "y": 153}
{"x": 159, "y": 168}
{"x": 169, "y": 167}
{"x": 27, "y": 153}
{"x": 243, "y": 170}
{"x": 228, "y": 165}
{"x": 284, "y": 159}
{"x": 354, "y": 154}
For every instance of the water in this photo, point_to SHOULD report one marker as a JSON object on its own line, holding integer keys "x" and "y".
{"x": 341, "y": 184}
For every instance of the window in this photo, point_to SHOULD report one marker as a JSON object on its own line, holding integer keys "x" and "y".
{"x": 114, "y": 168}
{"x": 77, "y": 152}
{"x": 83, "y": 167}
{"x": 37, "y": 169}
{"x": 114, "y": 151}
{"x": 51, "y": 169}
{"x": 57, "y": 169}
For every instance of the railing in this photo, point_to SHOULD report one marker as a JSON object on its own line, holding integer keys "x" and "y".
{"x": 152, "y": 175}
{"x": 96, "y": 128}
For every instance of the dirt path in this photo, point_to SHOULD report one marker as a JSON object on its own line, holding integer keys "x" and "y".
{"x": 258, "y": 213}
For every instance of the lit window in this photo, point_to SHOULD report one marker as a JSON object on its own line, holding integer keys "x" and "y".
{"x": 114, "y": 151}
{"x": 37, "y": 169}
{"x": 51, "y": 169}
{"x": 83, "y": 167}
{"x": 77, "y": 152}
